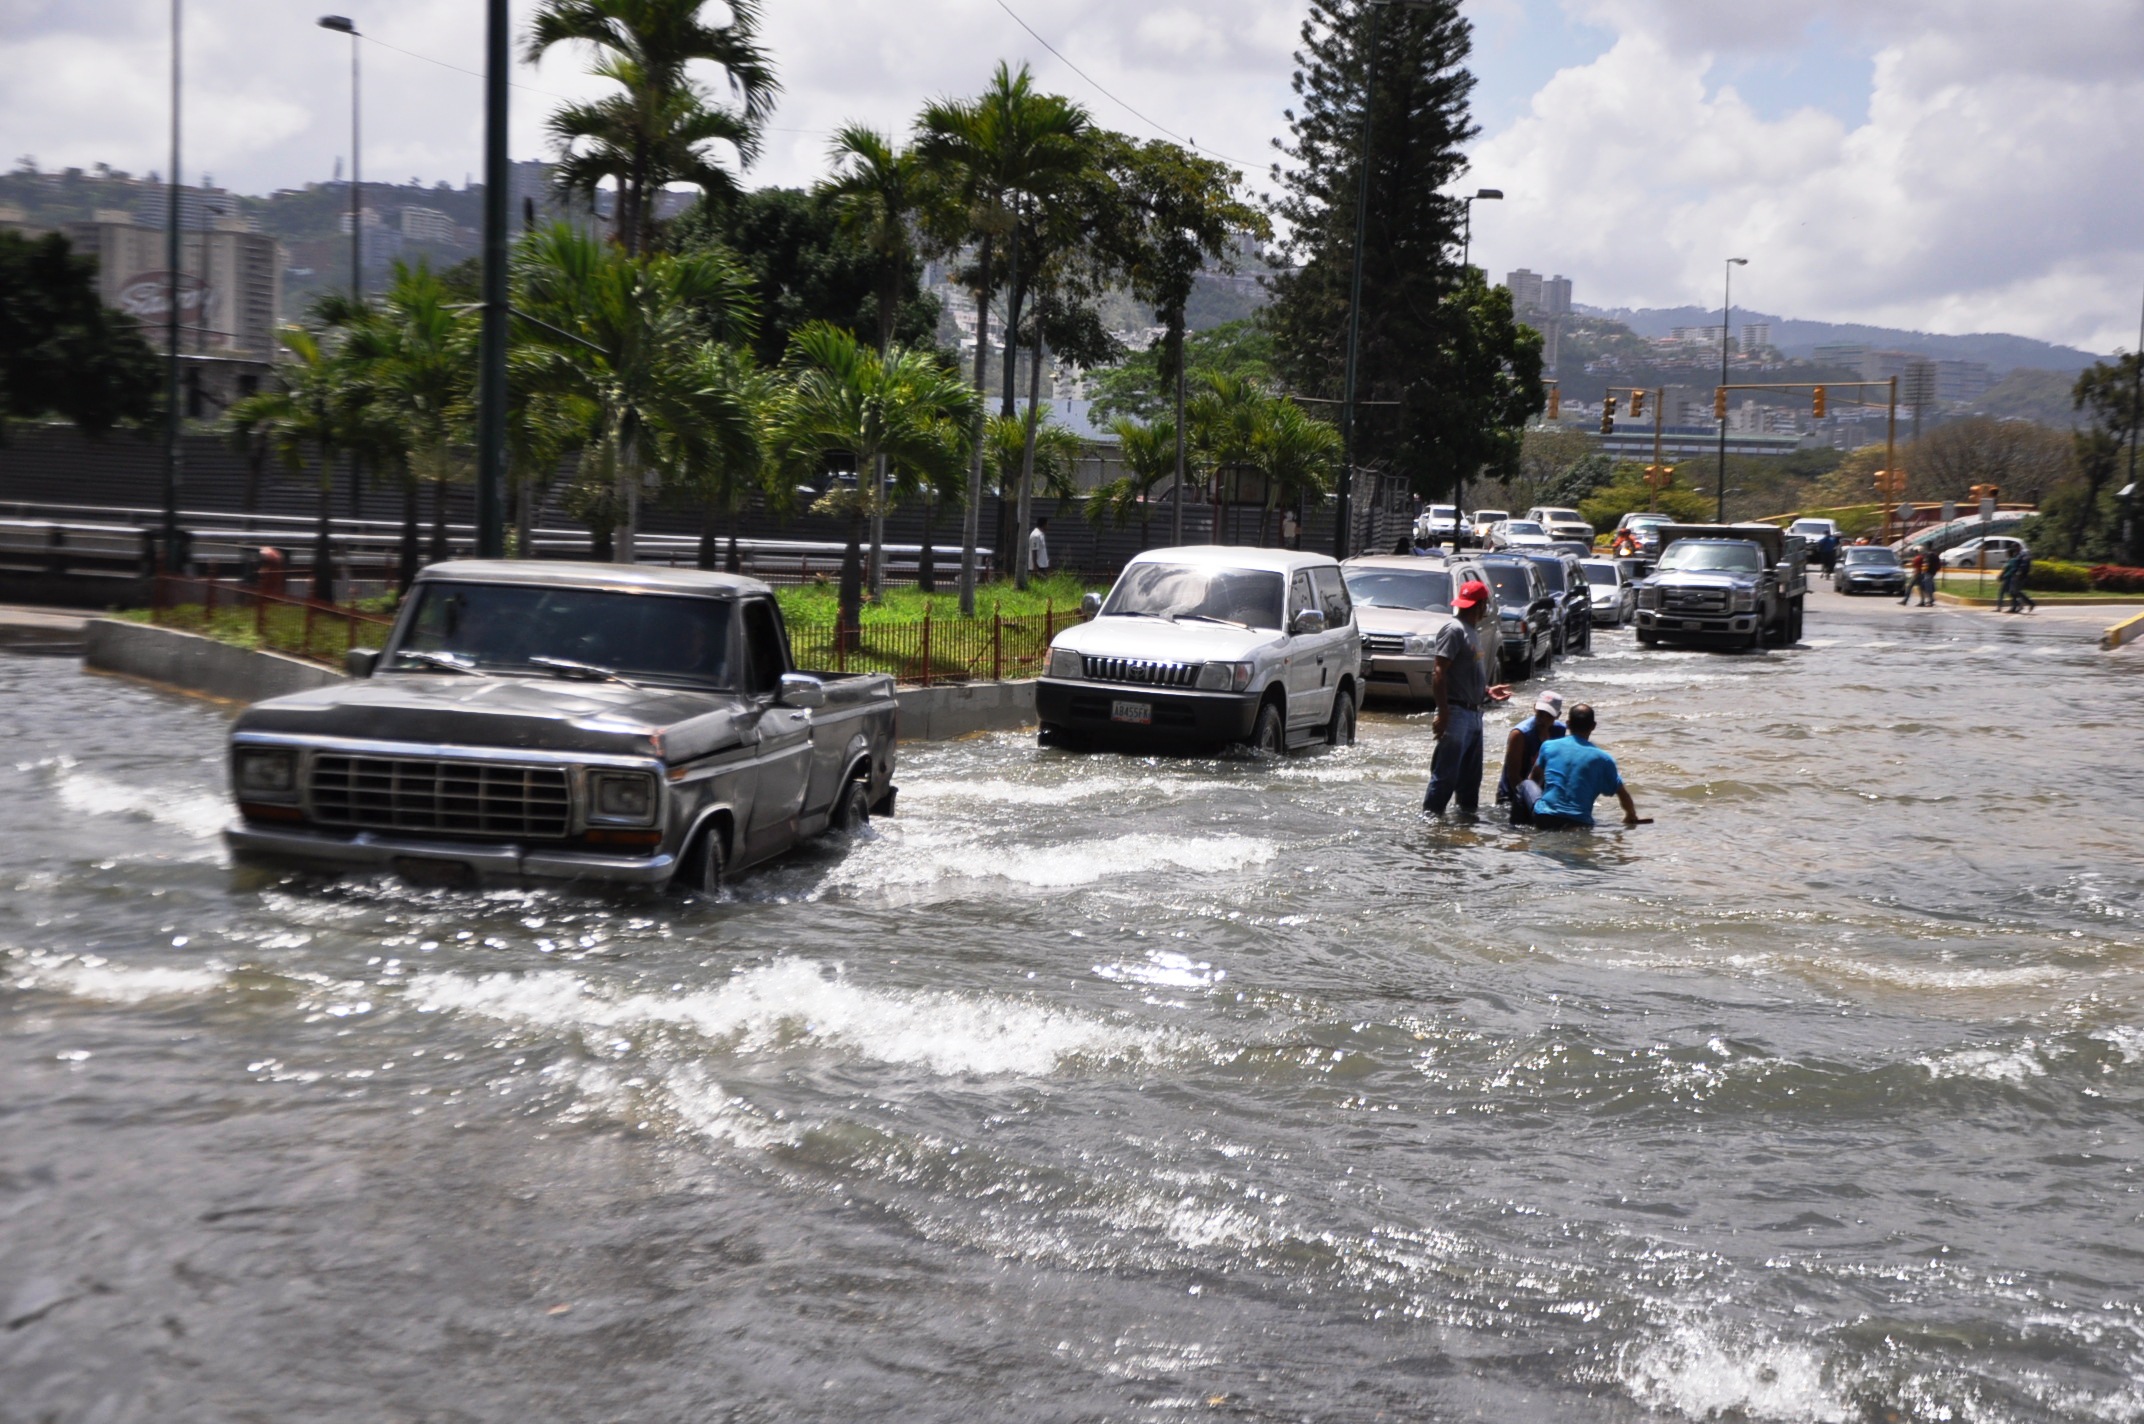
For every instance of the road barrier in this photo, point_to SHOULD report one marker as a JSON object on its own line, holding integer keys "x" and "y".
{"x": 2129, "y": 630}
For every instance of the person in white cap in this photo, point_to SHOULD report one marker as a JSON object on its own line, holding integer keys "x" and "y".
{"x": 1523, "y": 745}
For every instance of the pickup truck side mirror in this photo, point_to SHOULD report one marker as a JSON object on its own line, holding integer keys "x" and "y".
{"x": 360, "y": 662}
{"x": 1308, "y": 624}
{"x": 798, "y": 689}
{"x": 1091, "y": 604}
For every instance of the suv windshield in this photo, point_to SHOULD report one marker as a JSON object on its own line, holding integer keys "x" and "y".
{"x": 1521, "y": 526}
{"x": 1867, "y": 554}
{"x": 505, "y": 627}
{"x": 1729, "y": 557}
{"x": 1603, "y": 574}
{"x": 1252, "y": 597}
{"x": 1417, "y": 589}
{"x": 1511, "y": 584}
{"x": 1552, "y": 574}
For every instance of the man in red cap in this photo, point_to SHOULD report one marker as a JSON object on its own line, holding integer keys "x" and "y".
{"x": 1462, "y": 690}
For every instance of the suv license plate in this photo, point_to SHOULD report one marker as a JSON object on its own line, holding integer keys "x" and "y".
{"x": 1139, "y": 712}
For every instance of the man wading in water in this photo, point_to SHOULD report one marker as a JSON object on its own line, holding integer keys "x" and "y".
{"x": 1570, "y": 774}
{"x": 1462, "y": 691}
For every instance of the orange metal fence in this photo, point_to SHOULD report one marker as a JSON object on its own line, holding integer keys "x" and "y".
{"x": 237, "y": 613}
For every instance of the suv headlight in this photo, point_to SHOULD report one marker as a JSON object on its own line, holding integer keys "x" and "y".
{"x": 1420, "y": 645}
{"x": 265, "y": 774}
{"x": 1225, "y": 677}
{"x": 622, "y": 797}
{"x": 1064, "y": 662}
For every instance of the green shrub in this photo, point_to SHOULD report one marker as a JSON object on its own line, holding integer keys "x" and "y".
{"x": 2056, "y": 576}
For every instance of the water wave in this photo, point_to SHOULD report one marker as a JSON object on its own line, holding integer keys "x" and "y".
{"x": 90, "y": 976}
{"x": 911, "y": 862}
{"x": 195, "y": 813}
{"x": 1702, "y": 1372}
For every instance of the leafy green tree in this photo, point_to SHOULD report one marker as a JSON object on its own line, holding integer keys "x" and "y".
{"x": 1580, "y": 480}
{"x": 1628, "y": 493}
{"x": 2106, "y": 394}
{"x": 626, "y": 336}
{"x": 1296, "y": 454}
{"x": 1142, "y": 385}
{"x": 987, "y": 158}
{"x": 738, "y": 399}
{"x": 62, "y": 351}
{"x": 657, "y": 129}
{"x": 844, "y": 407}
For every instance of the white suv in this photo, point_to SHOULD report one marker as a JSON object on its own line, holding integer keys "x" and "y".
{"x": 1209, "y": 644}
{"x": 1562, "y": 524}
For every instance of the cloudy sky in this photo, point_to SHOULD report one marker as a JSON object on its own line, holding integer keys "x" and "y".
{"x": 1950, "y": 165}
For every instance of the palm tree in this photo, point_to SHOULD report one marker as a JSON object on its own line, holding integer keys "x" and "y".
{"x": 657, "y": 130}
{"x": 627, "y": 336}
{"x": 736, "y": 400}
{"x": 987, "y": 158}
{"x": 1294, "y": 452}
{"x": 845, "y": 407}
{"x": 877, "y": 189}
{"x": 306, "y": 415}
{"x": 1224, "y": 418}
{"x": 1149, "y": 456}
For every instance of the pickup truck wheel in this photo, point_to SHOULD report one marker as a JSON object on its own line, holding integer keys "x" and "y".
{"x": 852, "y": 811}
{"x": 1647, "y": 639}
{"x": 1269, "y": 734}
{"x": 1340, "y": 731}
{"x": 707, "y": 863}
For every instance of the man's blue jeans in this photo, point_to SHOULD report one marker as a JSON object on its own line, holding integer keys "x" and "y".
{"x": 1455, "y": 764}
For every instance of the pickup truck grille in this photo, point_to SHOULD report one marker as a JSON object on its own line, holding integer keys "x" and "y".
{"x": 1694, "y": 600}
{"x": 469, "y": 798}
{"x": 1138, "y": 670}
{"x": 1392, "y": 643}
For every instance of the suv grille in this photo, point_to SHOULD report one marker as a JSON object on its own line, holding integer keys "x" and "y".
{"x": 1695, "y": 600}
{"x": 1392, "y": 643}
{"x": 1138, "y": 670}
{"x": 456, "y": 797}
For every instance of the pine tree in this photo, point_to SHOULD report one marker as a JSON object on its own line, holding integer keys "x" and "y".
{"x": 1445, "y": 380}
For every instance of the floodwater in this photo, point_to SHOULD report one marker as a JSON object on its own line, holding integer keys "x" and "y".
{"x": 1099, "y": 1088}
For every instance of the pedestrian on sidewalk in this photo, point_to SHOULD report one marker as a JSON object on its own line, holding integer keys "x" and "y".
{"x": 1462, "y": 690}
{"x": 1569, "y": 775}
{"x": 1930, "y": 567}
{"x": 2015, "y": 572}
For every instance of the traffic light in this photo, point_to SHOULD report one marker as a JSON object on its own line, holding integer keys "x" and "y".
{"x": 1637, "y": 404}
{"x": 1555, "y": 402}
{"x": 1719, "y": 402}
{"x": 1608, "y": 415}
{"x": 1818, "y": 403}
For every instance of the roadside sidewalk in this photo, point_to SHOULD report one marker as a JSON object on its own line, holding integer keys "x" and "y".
{"x": 44, "y": 630}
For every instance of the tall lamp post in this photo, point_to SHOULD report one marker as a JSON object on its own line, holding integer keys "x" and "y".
{"x": 342, "y": 24}
{"x": 173, "y": 460}
{"x": 491, "y": 344}
{"x": 1341, "y": 532}
{"x": 1466, "y": 244}
{"x": 1726, "y": 306}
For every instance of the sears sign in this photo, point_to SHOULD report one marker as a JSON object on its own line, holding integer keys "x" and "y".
{"x": 146, "y": 296}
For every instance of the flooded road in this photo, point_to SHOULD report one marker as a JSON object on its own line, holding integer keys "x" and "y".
{"x": 1095, "y": 1088}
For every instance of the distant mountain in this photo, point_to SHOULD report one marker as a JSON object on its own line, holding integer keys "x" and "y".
{"x": 2001, "y": 351}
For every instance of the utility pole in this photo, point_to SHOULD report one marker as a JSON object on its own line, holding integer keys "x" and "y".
{"x": 173, "y": 457}
{"x": 342, "y": 24}
{"x": 491, "y": 349}
{"x": 1727, "y": 303}
{"x": 1342, "y": 507}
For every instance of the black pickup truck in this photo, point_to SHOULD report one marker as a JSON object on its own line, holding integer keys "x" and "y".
{"x": 556, "y": 721}
{"x": 1744, "y": 583}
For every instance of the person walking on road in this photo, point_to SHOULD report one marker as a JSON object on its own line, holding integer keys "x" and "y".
{"x": 1569, "y": 775}
{"x": 2015, "y": 571}
{"x": 1462, "y": 690}
{"x": 1930, "y": 567}
{"x": 1523, "y": 744}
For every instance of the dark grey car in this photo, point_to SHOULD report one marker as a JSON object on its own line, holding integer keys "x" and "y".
{"x": 1526, "y": 612}
{"x": 1565, "y": 577}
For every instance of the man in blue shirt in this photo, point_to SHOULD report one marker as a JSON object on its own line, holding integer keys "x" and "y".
{"x": 1569, "y": 775}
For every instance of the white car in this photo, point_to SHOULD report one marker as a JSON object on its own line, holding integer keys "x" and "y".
{"x": 1562, "y": 523}
{"x": 1485, "y": 519}
{"x": 2000, "y": 548}
{"x": 1209, "y": 644}
{"x": 1437, "y": 524}
{"x": 1614, "y": 595}
{"x": 1813, "y": 529}
{"x": 1518, "y": 534}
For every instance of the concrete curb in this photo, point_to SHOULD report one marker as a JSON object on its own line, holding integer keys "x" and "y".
{"x": 193, "y": 663}
{"x": 939, "y": 714}
{"x": 2126, "y": 631}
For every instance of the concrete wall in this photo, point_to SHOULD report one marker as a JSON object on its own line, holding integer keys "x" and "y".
{"x": 195, "y": 663}
{"x": 2129, "y": 630}
{"x": 939, "y": 714}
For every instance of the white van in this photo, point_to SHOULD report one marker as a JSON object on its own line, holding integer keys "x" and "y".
{"x": 1209, "y": 644}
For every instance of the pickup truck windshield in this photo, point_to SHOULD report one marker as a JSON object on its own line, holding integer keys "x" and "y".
{"x": 502, "y": 628}
{"x": 1727, "y": 558}
{"x": 1252, "y": 597}
{"x": 1424, "y": 590}
{"x": 1562, "y": 516}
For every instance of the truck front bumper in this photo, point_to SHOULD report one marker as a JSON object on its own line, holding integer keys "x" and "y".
{"x": 425, "y": 859}
{"x": 1683, "y": 625}
{"x": 1392, "y": 675}
{"x": 1172, "y": 716}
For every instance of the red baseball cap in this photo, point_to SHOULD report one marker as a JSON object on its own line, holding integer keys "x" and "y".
{"x": 1472, "y": 594}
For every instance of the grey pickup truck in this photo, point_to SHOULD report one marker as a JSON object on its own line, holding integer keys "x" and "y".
{"x": 564, "y": 722}
{"x": 1742, "y": 582}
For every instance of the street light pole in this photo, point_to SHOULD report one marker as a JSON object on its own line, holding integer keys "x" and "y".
{"x": 1727, "y": 301}
{"x": 491, "y": 347}
{"x": 1466, "y": 244}
{"x": 342, "y": 24}
{"x": 173, "y": 458}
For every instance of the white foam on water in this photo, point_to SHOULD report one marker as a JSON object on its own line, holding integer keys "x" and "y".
{"x": 1992, "y": 1065}
{"x": 918, "y": 861}
{"x": 1699, "y": 1374}
{"x": 2127, "y": 1041}
{"x": 796, "y": 1001}
{"x": 195, "y": 813}
{"x": 92, "y": 977}
{"x": 1916, "y": 977}
{"x": 1002, "y": 792}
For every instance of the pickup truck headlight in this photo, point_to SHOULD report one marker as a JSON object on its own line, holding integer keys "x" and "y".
{"x": 622, "y": 797}
{"x": 1065, "y": 662}
{"x": 1745, "y": 600}
{"x": 1224, "y": 677}
{"x": 265, "y": 774}
{"x": 1648, "y": 598}
{"x": 1420, "y": 645}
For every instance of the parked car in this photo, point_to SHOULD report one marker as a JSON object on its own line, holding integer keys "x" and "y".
{"x": 1999, "y": 548}
{"x": 1566, "y": 580}
{"x": 1869, "y": 568}
{"x": 1745, "y": 582}
{"x": 1562, "y": 523}
{"x": 1400, "y": 604}
{"x": 1208, "y": 645}
{"x": 561, "y": 721}
{"x": 1572, "y": 547}
{"x": 1612, "y": 594}
{"x": 1526, "y": 611}
{"x": 1517, "y": 534}
{"x": 1437, "y": 524}
{"x": 1482, "y": 519}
